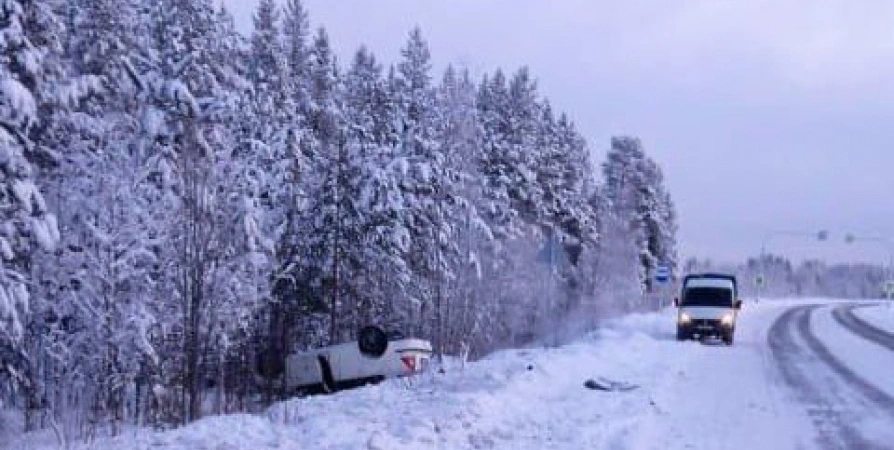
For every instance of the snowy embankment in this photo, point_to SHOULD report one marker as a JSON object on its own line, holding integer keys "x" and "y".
{"x": 688, "y": 395}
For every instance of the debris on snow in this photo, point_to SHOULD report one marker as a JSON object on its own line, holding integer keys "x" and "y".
{"x": 604, "y": 384}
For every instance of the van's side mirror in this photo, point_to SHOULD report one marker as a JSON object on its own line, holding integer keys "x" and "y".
{"x": 676, "y": 302}
{"x": 738, "y": 304}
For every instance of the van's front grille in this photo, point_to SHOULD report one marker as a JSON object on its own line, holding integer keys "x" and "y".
{"x": 705, "y": 323}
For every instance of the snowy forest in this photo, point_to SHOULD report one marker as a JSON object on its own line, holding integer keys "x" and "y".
{"x": 184, "y": 205}
{"x": 810, "y": 278}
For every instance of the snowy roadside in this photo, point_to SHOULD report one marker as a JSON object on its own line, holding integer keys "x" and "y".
{"x": 535, "y": 399}
{"x": 530, "y": 398}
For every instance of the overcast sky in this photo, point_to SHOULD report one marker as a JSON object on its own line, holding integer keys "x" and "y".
{"x": 765, "y": 115}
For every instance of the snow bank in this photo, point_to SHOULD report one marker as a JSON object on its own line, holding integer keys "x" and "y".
{"x": 491, "y": 403}
{"x": 535, "y": 399}
{"x": 496, "y": 402}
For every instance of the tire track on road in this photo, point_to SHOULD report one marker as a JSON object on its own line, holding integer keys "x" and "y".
{"x": 877, "y": 396}
{"x": 833, "y": 430}
{"x": 827, "y": 409}
{"x": 845, "y": 317}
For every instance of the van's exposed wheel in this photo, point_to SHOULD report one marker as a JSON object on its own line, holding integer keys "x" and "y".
{"x": 682, "y": 335}
{"x": 372, "y": 341}
{"x": 328, "y": 383}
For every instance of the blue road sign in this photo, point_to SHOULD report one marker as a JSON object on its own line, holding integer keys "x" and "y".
{"x": 662, "y": 274}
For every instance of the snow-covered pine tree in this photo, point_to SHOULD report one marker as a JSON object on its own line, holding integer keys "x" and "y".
{"x": 513, "y": 138}
{"x": 382, "y": 274}
{"x": 522, "y": 152}
{"x": 265, "y": 166}
{"x": 328, "y": 220}
{"x": 614, "y": 283}
{"x": 427, "y": 184}
{"x": 277, "y": 148}
{"x": 563, "y": 175}
{"x": 566, "y": 186}
{"x": 463, "y": 314}
{"x": 296, "y": 29}
{"x": 31, "y": 72}
{"x": 212, "y": 244}
{"x": 92, "y": 311}
{"x": 634, "y": 185}
{"x": 666, "y": 247}
{"x": 267, "y": 67}
{"x": 497, "y": 164}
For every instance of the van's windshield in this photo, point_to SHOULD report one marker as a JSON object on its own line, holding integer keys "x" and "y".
{"x": 708, "y": 296}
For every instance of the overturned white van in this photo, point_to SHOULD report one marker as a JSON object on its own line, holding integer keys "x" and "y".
{"x": 374, "y": 357}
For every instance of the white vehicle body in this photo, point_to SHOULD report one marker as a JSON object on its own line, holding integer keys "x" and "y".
{"x": 344, "y": 365}
{"x": 708, "y": 307}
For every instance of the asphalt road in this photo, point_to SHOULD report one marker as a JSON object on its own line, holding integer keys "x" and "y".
{"x": 837, "y": 398}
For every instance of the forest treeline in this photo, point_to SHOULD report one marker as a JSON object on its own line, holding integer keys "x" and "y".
{"x": 183, "y": 205}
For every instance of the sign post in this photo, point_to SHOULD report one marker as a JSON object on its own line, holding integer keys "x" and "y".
{"x": 663, "y": 275}
{"x": 759, "y": 282}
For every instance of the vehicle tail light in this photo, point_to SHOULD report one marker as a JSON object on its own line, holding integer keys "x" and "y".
{"x": 409, "y": 362}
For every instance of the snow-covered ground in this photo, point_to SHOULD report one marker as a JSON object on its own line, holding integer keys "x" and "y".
{"x": 689, "y": 396}
{"x": 880, "y": 316}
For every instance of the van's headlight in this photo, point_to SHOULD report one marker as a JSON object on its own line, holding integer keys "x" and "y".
{"x": 685, "y": 318}
{"x": 727, "y": 320}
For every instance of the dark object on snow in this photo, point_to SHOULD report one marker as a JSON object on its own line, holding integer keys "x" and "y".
{"x": 603, "y": 384}
{"x": 593, "y": 384}
{"x": 530, "y": 367}
{"x": 372, "y": 341}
